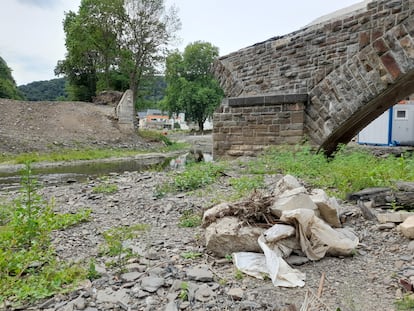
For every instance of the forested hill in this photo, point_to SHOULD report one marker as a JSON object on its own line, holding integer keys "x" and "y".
{"x": 8, "y": 88}
{"x": 50, "y": 90}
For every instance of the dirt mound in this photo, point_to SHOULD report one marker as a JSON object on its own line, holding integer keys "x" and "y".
{"x": 40, "y": 126}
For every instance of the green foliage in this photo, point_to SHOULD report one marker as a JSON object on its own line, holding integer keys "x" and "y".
{"x": 115, "y": 238}
{"x": 154, "y": 136}
{"x": 105, "y": 188}
{"x": 8, "y": 87}
{"x": 191, "y": 86}
{"x": 115, "y": 44}
{"x": 92, "y": 273}
{"x": 191, "y": 255}
{"x": 197, "y": 175}
{"x": 244, "y": 185}
{"x": 80, "y": 154}
{"x": 406, "y": 304}
{"x": 350, "y": 170}
{"x": 50, "y": 90}
{"x": 189, "y": 219}
{"x": 29, "y": 269}
{"x": 183, "y": 295}
{"x": 238, "y": 275}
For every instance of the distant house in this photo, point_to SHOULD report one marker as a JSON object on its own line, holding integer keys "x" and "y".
{"x": 395, "y": 127}
{"x": 155, "y": 119}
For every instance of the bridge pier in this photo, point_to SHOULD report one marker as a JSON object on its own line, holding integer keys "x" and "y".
{"x": 244, "y": 126}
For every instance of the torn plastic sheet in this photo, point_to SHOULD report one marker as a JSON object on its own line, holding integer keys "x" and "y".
{"x": 316, "y": 238}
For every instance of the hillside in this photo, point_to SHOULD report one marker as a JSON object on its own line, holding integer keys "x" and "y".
{"x": 38, "y": 126}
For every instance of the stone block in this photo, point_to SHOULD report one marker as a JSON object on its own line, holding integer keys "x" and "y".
{"x": 229, "y": 234}
{"x": 397, "y": 217}
{"x": 407, "y": 228}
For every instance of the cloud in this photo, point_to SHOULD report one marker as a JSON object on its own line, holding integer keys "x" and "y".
{"x": 45, "y": 4}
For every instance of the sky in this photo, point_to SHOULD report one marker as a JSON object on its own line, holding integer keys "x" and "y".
{"x": 32, "y": 38}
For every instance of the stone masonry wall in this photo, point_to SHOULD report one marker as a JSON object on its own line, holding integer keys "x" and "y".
{"x": 245, "y": 126}
{"x": 295, "y": 63}
{"x": 352, "y": 67}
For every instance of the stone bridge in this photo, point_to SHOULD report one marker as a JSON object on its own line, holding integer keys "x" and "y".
{"x": 323, "y": 83}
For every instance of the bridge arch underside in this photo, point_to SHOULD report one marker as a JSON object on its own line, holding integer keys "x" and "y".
{"x": 339, "y": 128}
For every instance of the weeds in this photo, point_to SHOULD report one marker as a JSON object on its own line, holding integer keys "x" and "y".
{"x": 351, "y": 169}
{"x": 191, "y": 255}
{"x": 105, "y": 188}
{"x": 183, "y": 295}
{"x": 189, "y": 219}
{"x": 29, "y": 269}
{"x": 406, "y": 304}
{"x": 244, "y": 185}
{"x": 115, "y": 239}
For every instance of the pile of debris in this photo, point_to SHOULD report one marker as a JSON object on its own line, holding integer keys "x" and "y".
{"x": 267, "y": 232}
{"x": 389, "y": 206}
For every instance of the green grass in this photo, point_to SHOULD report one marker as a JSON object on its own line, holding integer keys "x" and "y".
{"x": 29, "y": 269}
{"x": 105, "y": 188}
{"x": 350, "y": 170}
{"x": 82, "y": 154}
{"x": 244, "y": 185}
{"x": 189, "y": 219}
{"x": 406, "y": 304}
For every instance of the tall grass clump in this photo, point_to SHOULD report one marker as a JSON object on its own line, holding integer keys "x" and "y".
{"x": 349, "y": 170}
{"x": 29, "y": 269}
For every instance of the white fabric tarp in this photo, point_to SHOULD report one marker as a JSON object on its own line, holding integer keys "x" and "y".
{"x": 315, "y": 237}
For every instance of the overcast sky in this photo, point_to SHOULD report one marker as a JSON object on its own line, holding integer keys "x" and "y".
{"x": 32, "y": 37}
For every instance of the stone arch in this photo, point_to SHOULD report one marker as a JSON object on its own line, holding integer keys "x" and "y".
{"x": 360, "y": 90}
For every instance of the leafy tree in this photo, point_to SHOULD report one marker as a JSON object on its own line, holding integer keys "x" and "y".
{"x": 114, "y": 44}
{"x": 8, "y": 87}
{"x": 148, "y": 29}
{"x": 79, "y": 67}
{"x": 191, "y": 85}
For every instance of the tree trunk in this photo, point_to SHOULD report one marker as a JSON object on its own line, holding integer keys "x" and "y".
{"x": 201, "y": 126}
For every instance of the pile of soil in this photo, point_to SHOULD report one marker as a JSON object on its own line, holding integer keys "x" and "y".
{"x": 42, "y": 126}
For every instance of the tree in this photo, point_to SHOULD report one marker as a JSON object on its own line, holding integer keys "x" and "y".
{"x": 8, "y": 87}
{"x": 147, "y": 30}
{"x": 113, "y": 41}
{"x": 191, "y": 86}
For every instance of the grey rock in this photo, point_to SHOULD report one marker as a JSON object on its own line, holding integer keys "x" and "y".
{"x": 204, "y": 293}
{"x": 171, "y": 306}
{"x": 201, "y": 274}
{"x": 249, "y": 305}
{"x": 152, "y": 254}
{"x": 108, "y": 295}
{"x": 229, "y": 234}
{"x": 386, "y": 226}
{"x": 236, "y": 293}
{"x": 131, "y": 276}
{"x": 80, "y": 303}
{"x": 152, "y": 284}
{"x": 135, "y": 267}
{"x": 411, "y": 246}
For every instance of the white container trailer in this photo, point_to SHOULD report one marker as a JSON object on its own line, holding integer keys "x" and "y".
{"x": 395, "y": 127}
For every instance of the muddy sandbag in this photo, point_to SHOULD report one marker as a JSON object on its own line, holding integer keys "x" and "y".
{"x": 317, "y": 238}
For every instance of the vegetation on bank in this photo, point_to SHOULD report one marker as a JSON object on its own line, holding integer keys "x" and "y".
{"x": 350, "y": 170}
{"x": 94, "y": 154}
{"x": 29, "y": 268}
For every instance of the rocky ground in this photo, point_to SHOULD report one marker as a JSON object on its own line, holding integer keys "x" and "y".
{"x": 170, "y": 268}
{"x": 165, "y": 257}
